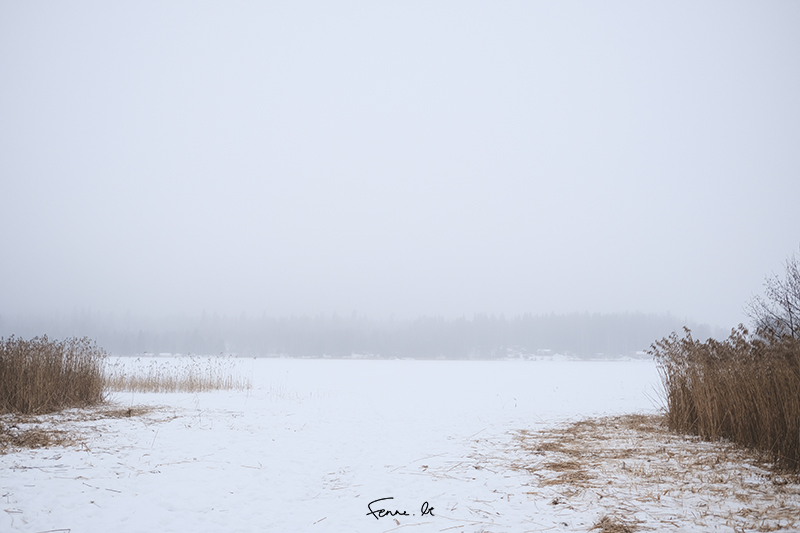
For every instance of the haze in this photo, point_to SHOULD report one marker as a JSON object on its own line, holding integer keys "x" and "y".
{"x": 397, "y": 158}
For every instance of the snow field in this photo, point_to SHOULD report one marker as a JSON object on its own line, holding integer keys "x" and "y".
{"x": 315, "y": 441}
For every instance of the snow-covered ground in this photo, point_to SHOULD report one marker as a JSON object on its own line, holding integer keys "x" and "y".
{"x": 316, "y": 445}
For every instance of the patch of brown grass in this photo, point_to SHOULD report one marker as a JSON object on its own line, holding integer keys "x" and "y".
{"x": 561, "y": 466}
{"x": 28, "y": 431}
{"x": 612, "y": 524}
{"x": 13, "y": 437}
{"x": 635, "y": 467}
{"x": 125, "y": 412}
{"x": 550, "y": 446}
{"x": 570, "y": 477}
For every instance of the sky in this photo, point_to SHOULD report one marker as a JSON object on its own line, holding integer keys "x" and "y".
{"x": 397, "y": 158}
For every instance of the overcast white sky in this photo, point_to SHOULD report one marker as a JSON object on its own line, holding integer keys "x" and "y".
{"x": 397, "y": 157}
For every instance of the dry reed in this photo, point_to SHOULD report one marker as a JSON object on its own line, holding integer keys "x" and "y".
{"x": 745, "y": 389}
{"x": 613, "y": 524}
{"x": 634, "y": 474}
{"x": 41, "y": 375}
{"x": 190, "y": 374}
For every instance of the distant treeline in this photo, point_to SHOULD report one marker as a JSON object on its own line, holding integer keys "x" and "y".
{"x": 480, "y": 337}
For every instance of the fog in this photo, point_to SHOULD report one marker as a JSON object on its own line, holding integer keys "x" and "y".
{"x": 396, "y": 159}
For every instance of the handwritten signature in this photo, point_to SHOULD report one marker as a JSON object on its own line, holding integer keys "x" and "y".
{"x": 426, "y": 509}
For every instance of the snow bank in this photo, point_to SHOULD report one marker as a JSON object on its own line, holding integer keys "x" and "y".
{"x": 313, "y": 444}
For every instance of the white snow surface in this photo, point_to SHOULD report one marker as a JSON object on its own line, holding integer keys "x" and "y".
{"x": 314, "y": 442}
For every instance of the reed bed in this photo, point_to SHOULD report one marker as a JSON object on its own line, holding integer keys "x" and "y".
{"x": 42, "y": 375}
{"x": 187, "y": 374}
{"x": 745, "y": 389}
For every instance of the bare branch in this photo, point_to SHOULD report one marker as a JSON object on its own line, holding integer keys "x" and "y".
{"x": 778, "y": 314}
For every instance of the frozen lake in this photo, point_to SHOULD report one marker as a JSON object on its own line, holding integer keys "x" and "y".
{"x": 313, "y": 443}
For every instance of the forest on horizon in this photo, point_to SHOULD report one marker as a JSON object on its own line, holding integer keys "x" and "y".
{"x": 483, "y": 336}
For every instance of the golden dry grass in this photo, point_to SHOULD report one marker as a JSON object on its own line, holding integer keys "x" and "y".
{"x": 638, "y": 474}
{"x": 19, "y": 431}
{"x": 612, "y": 524}
{"x": 14, "y": 437}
